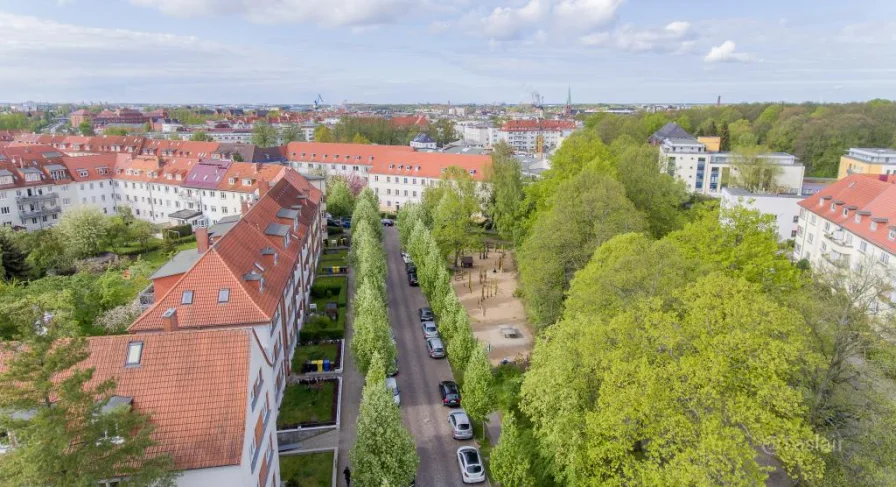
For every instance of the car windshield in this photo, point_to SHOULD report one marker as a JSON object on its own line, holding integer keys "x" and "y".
{"x": 463, "y": 426}
{"x": 474, "y": 469}
{"x": 430, "y": 326}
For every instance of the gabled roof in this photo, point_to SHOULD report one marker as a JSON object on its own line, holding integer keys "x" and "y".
{"x": 424, "y": 138}
{"x": 859, "y": 193}
{"x": 430, "y": 164}
{"x": 333, "y": 153}
{"x": 237, "y": 253}
{"x": 87, "y": 168}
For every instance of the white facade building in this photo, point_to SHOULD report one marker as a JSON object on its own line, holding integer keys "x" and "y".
{"x": 784, "y": 207}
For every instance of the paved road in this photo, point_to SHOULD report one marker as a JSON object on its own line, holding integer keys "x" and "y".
{"x": 419, "y": 377}
{"x": 352, "y": 384}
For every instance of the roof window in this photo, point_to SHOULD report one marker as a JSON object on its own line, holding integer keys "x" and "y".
{"x": 135, "y": 353}
{"x": 224, "y": 295}
{"x": 186, "y": 297}
{"x": 259, "y": 267}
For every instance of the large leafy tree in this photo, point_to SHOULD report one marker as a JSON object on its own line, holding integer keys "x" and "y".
{"x": 506, "y": 181}
{"x": 586, "y": 211}
{"x": 384, "y": 451}
{"x": 658, "y": 195}
{"x": 200, "y": 136}
{"x": 13, "y": 263}
{"x": 340, "y": 200}
{"x": 291, "y": 133}
{"x": 264, "y": 134}
{"x": 511, "y": 459}
{"x": 478, "y": 390}
{"x": 55, "y": 410}
{"x": 679, "y": 395}
{"x": 84, "y": 230}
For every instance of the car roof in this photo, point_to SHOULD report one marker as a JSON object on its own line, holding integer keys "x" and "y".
{"x": 435, "y": 341}
{"x": 460, "y": 415}
{"x": 465, "y": 449}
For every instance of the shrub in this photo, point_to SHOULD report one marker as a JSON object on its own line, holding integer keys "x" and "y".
{"x": 182, "y": 230}
{"x": 320, "y": 328}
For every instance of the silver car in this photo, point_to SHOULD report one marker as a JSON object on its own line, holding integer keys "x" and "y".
{"x": 392, "y": 385}
{"x": 470, "y": 465}
{"x": 461, "y": 428}
{"x": 435, "y": 347}
{"x": 430, "y": 330}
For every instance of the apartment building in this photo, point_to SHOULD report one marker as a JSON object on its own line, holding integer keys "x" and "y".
{"x": 400, "y": 178}
{"x": 338, "y": 159}
{"x": 30, "y": 182}
{"x": 784, "y": 207}
{"x": 92, "y": 183}
{"x": 705, "y": 172}
{"x": 849, "y": 223}
{"x": 256, "y": 273}
{"x": 867, "y": 161}
{"x": 475, "y": 132}
{"x": 534, "y": 136}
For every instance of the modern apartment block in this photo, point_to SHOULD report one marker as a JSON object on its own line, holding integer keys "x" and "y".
{"x": 867, "y": 161}
{"x": 705, "y": 172}
{"x": 534, "y": 136}
{"x": 849, "y": 223}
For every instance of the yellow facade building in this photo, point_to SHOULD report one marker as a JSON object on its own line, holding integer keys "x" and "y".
{"x": 867, "y": 161}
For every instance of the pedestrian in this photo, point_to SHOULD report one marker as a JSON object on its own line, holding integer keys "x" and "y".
{"x": 348, "y": 476}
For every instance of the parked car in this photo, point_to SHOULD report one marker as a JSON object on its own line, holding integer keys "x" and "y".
{"x": 430, "y": 330}
{"x": 346, "y": 223}
{"x": 334, "y": 223}
{"x": 461, "y": 427}
{"x": 435, "y": 347}
{"x": 412, "y": 278}
{"x": 406, "y": 258}
{"x": 392, "y": 384}
{"x": 388, "y": 222}
{"x": 426, "y": 314}
{"x": 410, "y": 267}
{"x": 470, "y": 463}
{"x": 450, "y": 393}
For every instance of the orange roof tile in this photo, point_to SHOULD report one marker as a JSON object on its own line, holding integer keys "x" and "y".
{"x": 257, "y": 172}
{"x": 87, "y": 168}
{"x": 333, "y": 153}
{"x": 430, "y": 164}
{"x": 858, "y": 193}
{"x": 530, "y": 125}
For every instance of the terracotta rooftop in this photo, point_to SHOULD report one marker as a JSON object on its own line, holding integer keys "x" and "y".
{"x": 859, "y": 193}
{"x": 91, "y": 168}
{"x": 240, "y": 262}
{"x": 430, "y": 164}
{"x": 333, "y": 153}
{"x": 529, "y": 125}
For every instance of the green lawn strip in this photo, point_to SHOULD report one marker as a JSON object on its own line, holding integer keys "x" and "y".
{"x": 307, "y": 403}
{"x": 314, "y": 352}
{"x": 307, "y": 470}
{"x": 157, "y": 258}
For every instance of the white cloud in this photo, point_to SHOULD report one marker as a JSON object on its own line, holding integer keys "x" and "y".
{"x": 562, "y": 17}
{"x": 508, "y": 23}
{"x": 727, "y": 53}
{"x": 585, "y": 15}
{"x": 326, "y": 13}
{"x": 676, "y": 37}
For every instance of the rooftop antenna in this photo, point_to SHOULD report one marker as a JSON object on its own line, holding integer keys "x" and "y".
{"x": 719, "y": 101}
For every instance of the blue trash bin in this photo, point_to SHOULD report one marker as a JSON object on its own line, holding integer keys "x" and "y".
{"x": 326, "y": 365}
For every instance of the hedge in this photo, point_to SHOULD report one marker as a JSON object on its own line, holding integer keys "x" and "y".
{"x": 325, "y": 287}
{"x": 320, "y": 328}
{"x": 182, "y": 230}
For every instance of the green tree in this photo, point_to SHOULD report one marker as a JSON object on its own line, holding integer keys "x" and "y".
{"x": 200, "y": 136}
{"x": 452, "y": 226}
{"x": 753, "y": 172}
{"x": 656, "y": 194}
{"x": 340, "y": 200}
{"x": 384, "y": 452}
{"x": 585, "y": 211}
{"x": 322, "y": 133}
{"x": 86, "y": 128}
{"x": 141, "y": 231}
{"x": 13, "y": 263}
{"x": 511, "y": 463}
{"x": 371, "y": 325}
{"x": 506, "y": 181}
{"x": 84, "y": 230}
{"x": 115, "y": 131}
{"x": 263, "y": 134}
{"x": 478, "y": 388}
{"x": 63, "y": 433}
{"x": 48, "y": 252}
{"x": 725, "y": 136}
{"x": 360, "y": 139}
{"x": 291, "y": 133}
{"x": 741, "y": 134}
{"x": 713, "y": 372}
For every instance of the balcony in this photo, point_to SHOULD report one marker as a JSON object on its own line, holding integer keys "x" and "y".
{"x": 838, "y": 242}
{"x": 40, "y": 211}
{"x": 37, "y": 198}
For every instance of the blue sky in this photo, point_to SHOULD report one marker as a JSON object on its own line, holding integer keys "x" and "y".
{"x": 407, "y": 51}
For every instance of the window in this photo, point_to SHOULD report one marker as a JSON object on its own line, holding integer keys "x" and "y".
{"x": 858, "y": 218}
{"x": 224, "y": 295}
{"x": 796, "y": 219}
{"x": 863, "y": 246}
{"x": 135, "y": 352}
{"x": 845, "y": 211}
{"x": 186, "y": 297}
{"x": 873, "y": 226}
{"x": 812, "y": 219}
{"x": 892, "y": 234}
{"x": 811, "y": 237}
{"x": 884, "y": 258}
{"x": 827, "y": 226}
{"x": 833, "y": 206}
{"x": 796, "y": 249}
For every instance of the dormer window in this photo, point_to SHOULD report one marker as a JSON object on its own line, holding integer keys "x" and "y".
{"x": 135, "y": 353}
{"x": 873, "y": 226}
{"x": 231, "y": 181}
{"x": 472, "y": 171}
{"x": 858, "y": 218}
{"x": 845, "y": 211}
{"x": 247, "y": 182}
{"x": 820, "y": 202}
{"x": 833, "y": 206}
{"x": 892, "y": 234}
{"x": 82, "y": 173}
{"x": 259, "y": 267}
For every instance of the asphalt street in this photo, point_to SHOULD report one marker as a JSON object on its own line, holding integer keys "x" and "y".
{"x": 419, "y": 376}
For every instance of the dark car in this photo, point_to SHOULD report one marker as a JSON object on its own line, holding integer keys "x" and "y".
{"x": 426, "y": 314}
{"x": 346, "y": 223}
{"x": 334, "y": 223}
{"x": 410, "y": 267}
{"x": 449, "y": 392}
{"x": 412, "y": 278}
{"x": 388, "y": 222}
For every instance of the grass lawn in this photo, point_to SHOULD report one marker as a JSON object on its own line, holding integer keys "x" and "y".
{"x": 307, "y": 403}
{"x": 307, "y": 470}
{"x": 332, "y": 260}
{"x": 508, "y": 379}
{"x": 157, "y": 258}
{"x": 314, "y": 352}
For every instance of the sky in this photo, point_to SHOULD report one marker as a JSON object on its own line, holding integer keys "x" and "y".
{"x": 440, "y": 51}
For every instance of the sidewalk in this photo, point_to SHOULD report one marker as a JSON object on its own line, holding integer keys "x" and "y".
{"x": 352, "y": 384}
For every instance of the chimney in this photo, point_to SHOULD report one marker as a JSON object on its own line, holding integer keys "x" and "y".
{"x": 202, "y": 242}
{"x": 169, "y": 320}
{"x": 258, "y": 167}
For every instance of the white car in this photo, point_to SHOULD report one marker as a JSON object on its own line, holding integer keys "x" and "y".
{"x": 392, "y": 384}
{"x": 406, "y": 258}
{"x": 470, "y": 465}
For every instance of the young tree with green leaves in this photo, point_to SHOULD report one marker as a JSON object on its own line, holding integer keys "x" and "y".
{"x": 13, "y": 262}
{"x": 506, "y": 181}
{"x": 200, "y": 136}
{"x": 753, "y": 172}
{"x": 478, "y": 387}
{"x": 725, "y": 137}
{"x": 61, "y": 430}
{"x": 511, "y": 459}
{"x": 263, "y": 134}
{"x": 84, "y": 230}
{"x": 384, "y": 452}
{"x": 291, "y": 133}
{"x": 656, "y": 194}
{"x": 141, "y": 231}
{"x": 86, "y": 128}
{"x": 371, "y": 328}
{"x": 340, "y": 200}
{"x": 452, "y": 226}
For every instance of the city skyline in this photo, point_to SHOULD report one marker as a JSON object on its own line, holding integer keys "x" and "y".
{"x": 422, "y": 51}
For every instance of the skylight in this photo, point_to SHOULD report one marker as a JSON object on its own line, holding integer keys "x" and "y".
{"x": 259, "y": 267}
{"x": 224, "y": 295}
{"x": 135, "y": 353}
{"x": 187, "y": 297}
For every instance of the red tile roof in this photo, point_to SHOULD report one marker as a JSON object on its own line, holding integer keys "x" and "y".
{"x": 258, "y": 173}
{"x": 235, "y": 255}
{"x": 859, "y": 193}
{"x": 532, "y": 125}
{"x": 335, "y": 153}
{"x": 194, "y": 386}
{"x": 430, "y": 164}
{"x": 410, "y": 121}
{"x": 92, "y": 164}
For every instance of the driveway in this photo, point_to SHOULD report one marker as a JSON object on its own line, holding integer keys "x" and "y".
{"x": 419, "y": 376}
